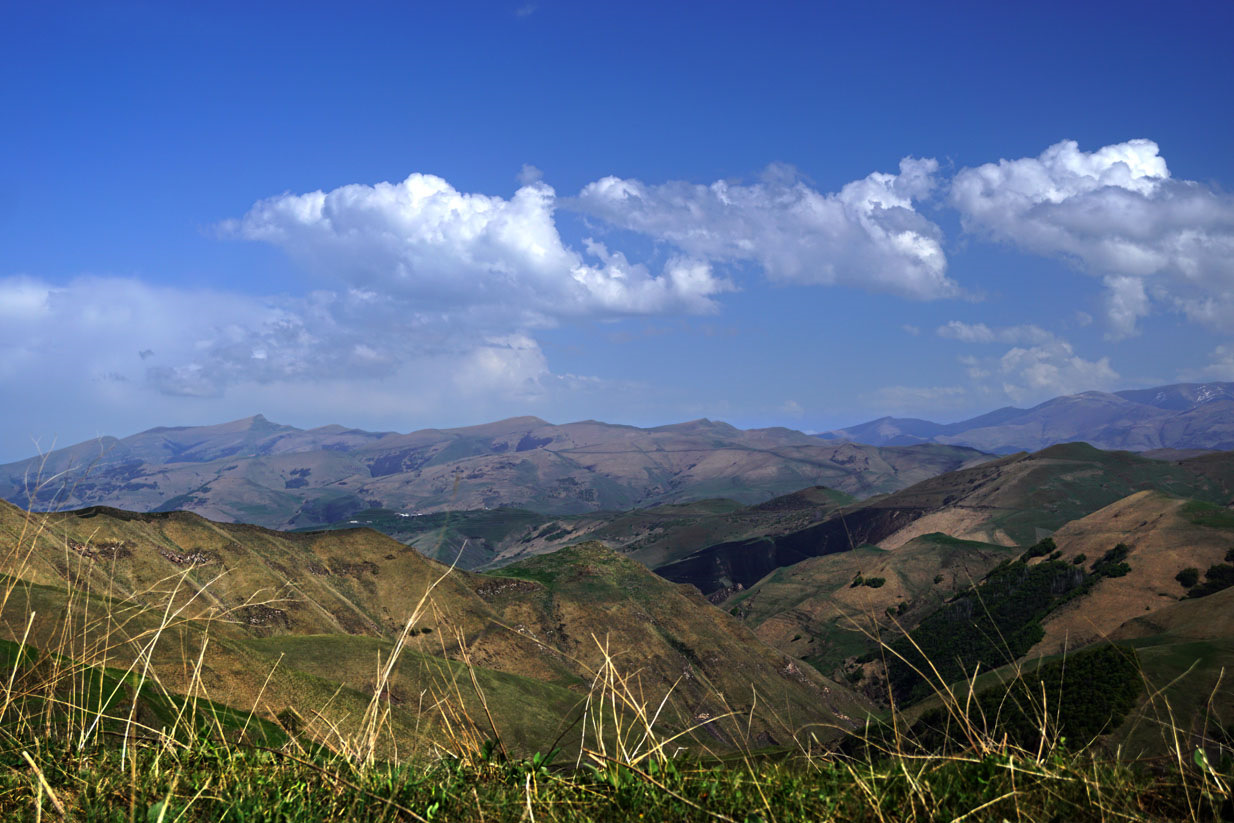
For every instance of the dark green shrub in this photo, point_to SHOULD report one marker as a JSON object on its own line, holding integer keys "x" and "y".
{"x": 1079, "y": 559}
{"x": 1216, "y": 579}
{"x": 1039, "y": 549}
{"x": 874, "y": 582}
{"x": 1111, "y": 563}
{"x": 1188, "y": 577}
{"x": 938, "y": 578}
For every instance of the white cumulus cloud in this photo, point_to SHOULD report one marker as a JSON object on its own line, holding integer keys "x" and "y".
{"x": 423, "y": 240}
{"x": 1117, "y": 213}
{"x": 869, "y": 234}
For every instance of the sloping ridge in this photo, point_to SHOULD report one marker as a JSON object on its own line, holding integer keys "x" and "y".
{"x": 329, "y": 600}
{"x": 1015, "y": 500}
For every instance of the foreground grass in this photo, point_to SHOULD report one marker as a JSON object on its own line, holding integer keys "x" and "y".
{"x": 208, "y": 781}
{"x": 90, "y": 733}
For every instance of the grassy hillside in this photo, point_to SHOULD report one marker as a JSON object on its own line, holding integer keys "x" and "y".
{"x": 166, "y": 667}
{"x": 168, "y": 704}
{"x": 827, "y": 609}
{"x": 654, "y": 536}
{"x": 1117, "y": 573}
{"x": 305, "y": 619}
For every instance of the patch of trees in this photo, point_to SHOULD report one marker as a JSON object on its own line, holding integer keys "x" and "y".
{"x": 1039, "y": 549}
{"x": 995, "y": 622}
{"x": 990, "y": 624}
{"x": 1077, "y": 698}
{"x": 1188, "y": 577}
{"x": 1217, "y": 578}
{"x": 1112, "y": 563}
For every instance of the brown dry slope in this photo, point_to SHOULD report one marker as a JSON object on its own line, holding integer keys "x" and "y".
{"x": 1162, "y": 540}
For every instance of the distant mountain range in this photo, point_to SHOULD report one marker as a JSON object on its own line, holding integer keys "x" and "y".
{"x": 1185, "y": 416}
{"x": 257, "y": 471}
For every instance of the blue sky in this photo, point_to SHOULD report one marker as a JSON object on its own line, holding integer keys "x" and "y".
{"x": 409, "y": 214}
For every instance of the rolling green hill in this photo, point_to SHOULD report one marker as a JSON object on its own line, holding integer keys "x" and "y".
{"x": 1113, "y": 575}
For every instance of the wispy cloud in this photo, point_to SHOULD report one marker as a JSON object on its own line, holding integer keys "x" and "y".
{"x": 1039, "y": 364}
{"x": 981, "y": 333}
{"x": 1219, "y": 367}
{"x": 918, "y": 399}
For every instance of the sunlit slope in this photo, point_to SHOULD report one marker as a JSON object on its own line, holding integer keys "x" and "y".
{"x": 1163, "y": 536}
{"x": 582, "y": 596}
{"x": 327, "y": 680}
{"x": 1148, "y": 569}
{"x": 330, "y": 602}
